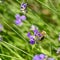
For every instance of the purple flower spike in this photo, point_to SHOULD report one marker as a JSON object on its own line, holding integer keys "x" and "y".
{"x": 19, "y": 19}
{"x": 28, "y": 34}
{"x": 18, "y": 22}
{"x": 23, "y": 6}
{"x": 17, "y": 16}
{"x": 23, "y": 17}
{"x": 42, "y": 56}
{"x": 35, "y": 32}
{"x": 36, "y": 57}
{"x": 32, "y": 41}
{"x": 38, "y": 34}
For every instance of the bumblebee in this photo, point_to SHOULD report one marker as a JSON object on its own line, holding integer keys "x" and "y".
{"x": 42, "y": 35}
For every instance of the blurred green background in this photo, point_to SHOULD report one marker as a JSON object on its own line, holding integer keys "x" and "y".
{"x": 43, "y": 13}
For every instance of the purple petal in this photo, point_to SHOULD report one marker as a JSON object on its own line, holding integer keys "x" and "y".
{"x": 17, "y": 22}
{"x": 35, "y": 32}
{"x": 32, "y": 37}
{"x": 23, "y": 5}
{"x": 42, "y": 56}
{"x": 36, "y": 57}
{"x": 23, "y": 17}
{"x": 38, "y": 34}
{"x": 29, "y": 34}
{"x": 32, "y": 42}
{"x": 17, "y": 16}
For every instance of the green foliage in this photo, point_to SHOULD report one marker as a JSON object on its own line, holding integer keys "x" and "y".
{"x": 43, "y": 13}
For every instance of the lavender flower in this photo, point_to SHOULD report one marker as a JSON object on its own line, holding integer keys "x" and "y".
{"x": 36, "y": 36}
{"x": 23, "y": 17}
{"x": 39, "y": 57}
{"x": 50, "y": 59}
{"x": 32, "y": 41}
{"x": 39, "y": 34}
{"x": 19, "y": 19}
{"x": 29, "y": 34}
{"x": 23, "y": 7}
{"x": 18, "y": 22}
{"x": 1, "y": 27}
{"x": 36, "y": 57}
{"x": 42, "y": 56}
{"x": 35, "y": 32}
{"x": 17, "y": 16}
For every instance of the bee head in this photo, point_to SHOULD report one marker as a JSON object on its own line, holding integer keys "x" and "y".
{"x": 43, "y": 33}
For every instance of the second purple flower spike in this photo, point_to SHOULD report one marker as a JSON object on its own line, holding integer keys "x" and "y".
{"x": 23, "y": 8}
{"x": 32, "y": 41}
{"x": 39, "y": 57}
{"x": 19, "y": 19}
{"x": 42, "y": 57}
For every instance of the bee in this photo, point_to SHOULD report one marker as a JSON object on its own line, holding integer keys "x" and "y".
{"x": 23, "y": 8}
{"x": 42, "y": 35}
